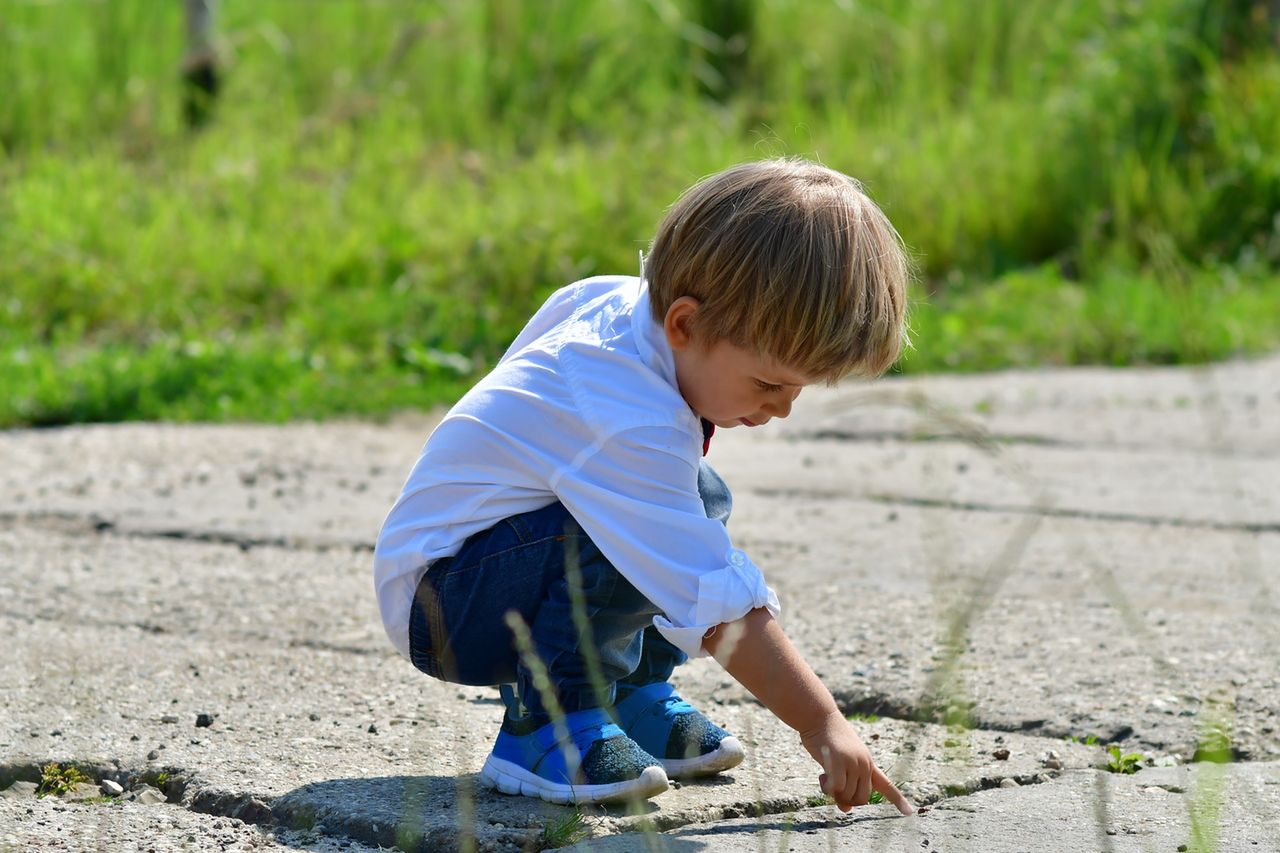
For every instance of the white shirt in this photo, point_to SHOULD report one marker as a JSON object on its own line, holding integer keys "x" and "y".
{"x": 584, "y": 409}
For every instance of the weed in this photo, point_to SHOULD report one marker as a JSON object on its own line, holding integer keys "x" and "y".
{"x": 58, "y": 779}
{"x": 1087, "y": 740}
{"x": 1129, "y": 762}
{"x": 817, "y": 800}
{"x": 862, "y": 718}
{"x": 876, "y": 798}
{"x": 563, "y": 831}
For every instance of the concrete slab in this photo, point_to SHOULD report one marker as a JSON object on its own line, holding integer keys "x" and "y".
{"x": 1154, "y": 636}
{"x": 1107, "y": 484}
{"x": 127, "y": 641}
{"x": 1014, "y": 441}
{"x": 1209, "y": 807}
{"x": 51, "y": 824}
{"x": 1039, "y": 554}
{"x": 1229, "y": 408}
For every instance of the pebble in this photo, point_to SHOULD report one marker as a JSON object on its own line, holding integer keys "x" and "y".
{"x": 169, "y": 718}
{"x": 373, "y": 729}
{"x": 152, "y": 755}
{"x": 146, "y": 795}
{"x": 1001, "y": 754}
{"x": 111, "y": 788}
{"x": 203, "y": 721}
{"x": 82, "y": 791}
{"x": 20, "y": 791}
{"x": 1009, "y": 783}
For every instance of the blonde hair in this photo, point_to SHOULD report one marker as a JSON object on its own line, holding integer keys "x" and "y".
{"x": 788, "y": 259}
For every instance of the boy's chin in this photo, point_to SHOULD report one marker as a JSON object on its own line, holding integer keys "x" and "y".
{"x": 735, "y": 422}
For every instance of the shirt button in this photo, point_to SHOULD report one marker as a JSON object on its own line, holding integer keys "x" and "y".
{"x": 737, "y": 558}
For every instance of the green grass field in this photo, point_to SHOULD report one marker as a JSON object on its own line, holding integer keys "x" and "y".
{"x": 388, "y": 189}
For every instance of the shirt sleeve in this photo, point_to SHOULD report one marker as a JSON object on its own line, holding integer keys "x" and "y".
{"x": 636, "y": 496}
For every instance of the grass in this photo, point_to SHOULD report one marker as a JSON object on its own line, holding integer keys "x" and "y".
{"x": 387, "y": 190}
{"x": 563, "y": 831}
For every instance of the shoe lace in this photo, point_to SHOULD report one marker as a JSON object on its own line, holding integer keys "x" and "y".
{"x": 673, "y": 706}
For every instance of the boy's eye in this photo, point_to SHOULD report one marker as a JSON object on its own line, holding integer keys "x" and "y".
{"x": 766, "y": 386}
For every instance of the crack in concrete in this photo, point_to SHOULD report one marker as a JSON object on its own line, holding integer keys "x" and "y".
{"x": 1016, "y": 509}
{"x": 184, "y": 789}
{"x": 152, "y": 628}
{"x": 1010, "y": 439}
{"x": 75, "y": 523}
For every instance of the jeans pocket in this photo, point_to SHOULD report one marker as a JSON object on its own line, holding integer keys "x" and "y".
{"x": 426, "y": 628}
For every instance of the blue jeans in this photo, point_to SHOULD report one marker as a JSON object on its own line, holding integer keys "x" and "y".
{"x": 457, "y": 624}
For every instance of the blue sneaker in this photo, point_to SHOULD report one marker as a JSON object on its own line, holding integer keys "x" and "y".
{"x": 595, "y": 763}
{"x": 669, "y": 728}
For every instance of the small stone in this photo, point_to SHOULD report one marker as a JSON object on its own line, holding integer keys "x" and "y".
{"x": 1182, "y": 848}
{"x": 134, "y": 737}
{"x": 152, "y": 755}
{"x": 169, "y": 718}
{"x": 56, "y": 733}
{"x": 111, "y": 788}
{"x": 20, "y": 791}
{"x": 313, "y": 717}
{"x": 1001, "y": 754}
{"x": 675, "y": 783}
{"x": 203, "y": 721}
{"x": 1009, "y": 783}
{"x": 373, "y": 729}
{"x": 146, "y": 795}
{"x": 1053, "y": 764}
{"x": 82, "y": 791}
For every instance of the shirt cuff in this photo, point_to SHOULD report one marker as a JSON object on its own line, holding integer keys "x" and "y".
{"x": 724, "y": 595}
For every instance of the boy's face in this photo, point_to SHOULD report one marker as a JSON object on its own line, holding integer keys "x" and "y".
{"x": 724, "y": 383}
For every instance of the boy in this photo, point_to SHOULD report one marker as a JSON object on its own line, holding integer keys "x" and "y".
{"x": 561, "y": 532}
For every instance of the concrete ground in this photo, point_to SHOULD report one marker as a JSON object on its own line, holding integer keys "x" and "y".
{"x": 992, "y": 571}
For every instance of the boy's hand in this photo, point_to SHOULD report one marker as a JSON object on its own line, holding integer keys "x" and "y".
{"x": 849, "y": 773}
{"x": 755, "y": 651}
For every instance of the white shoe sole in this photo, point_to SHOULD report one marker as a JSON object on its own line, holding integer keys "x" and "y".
{"x": 729, "y": 754}
{"x": 511, "y": 778}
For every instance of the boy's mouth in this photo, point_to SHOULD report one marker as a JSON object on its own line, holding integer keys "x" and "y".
{"x": 748, "y": 422}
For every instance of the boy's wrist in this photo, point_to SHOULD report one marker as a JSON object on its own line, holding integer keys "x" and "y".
{"x": 829, "y": 720}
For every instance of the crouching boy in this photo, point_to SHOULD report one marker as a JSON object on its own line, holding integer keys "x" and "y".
{"x": 560, "y": 534}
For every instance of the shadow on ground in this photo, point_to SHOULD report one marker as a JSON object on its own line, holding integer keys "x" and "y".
{"x": 434, "y": 812}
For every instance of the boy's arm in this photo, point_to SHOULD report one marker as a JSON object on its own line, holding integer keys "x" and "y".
{"x": 756, "y": 652}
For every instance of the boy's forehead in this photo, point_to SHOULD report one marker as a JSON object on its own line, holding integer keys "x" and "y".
{"x": 779, "y": 374}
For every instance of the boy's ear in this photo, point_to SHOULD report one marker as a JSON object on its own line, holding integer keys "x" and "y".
{"x": 678, "y": 323}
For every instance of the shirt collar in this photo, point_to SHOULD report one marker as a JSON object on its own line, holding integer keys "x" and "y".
{"x": 651, "y": 341}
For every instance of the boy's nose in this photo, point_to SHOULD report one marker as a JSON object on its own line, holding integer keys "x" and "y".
{"x": 780, "y": 407}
